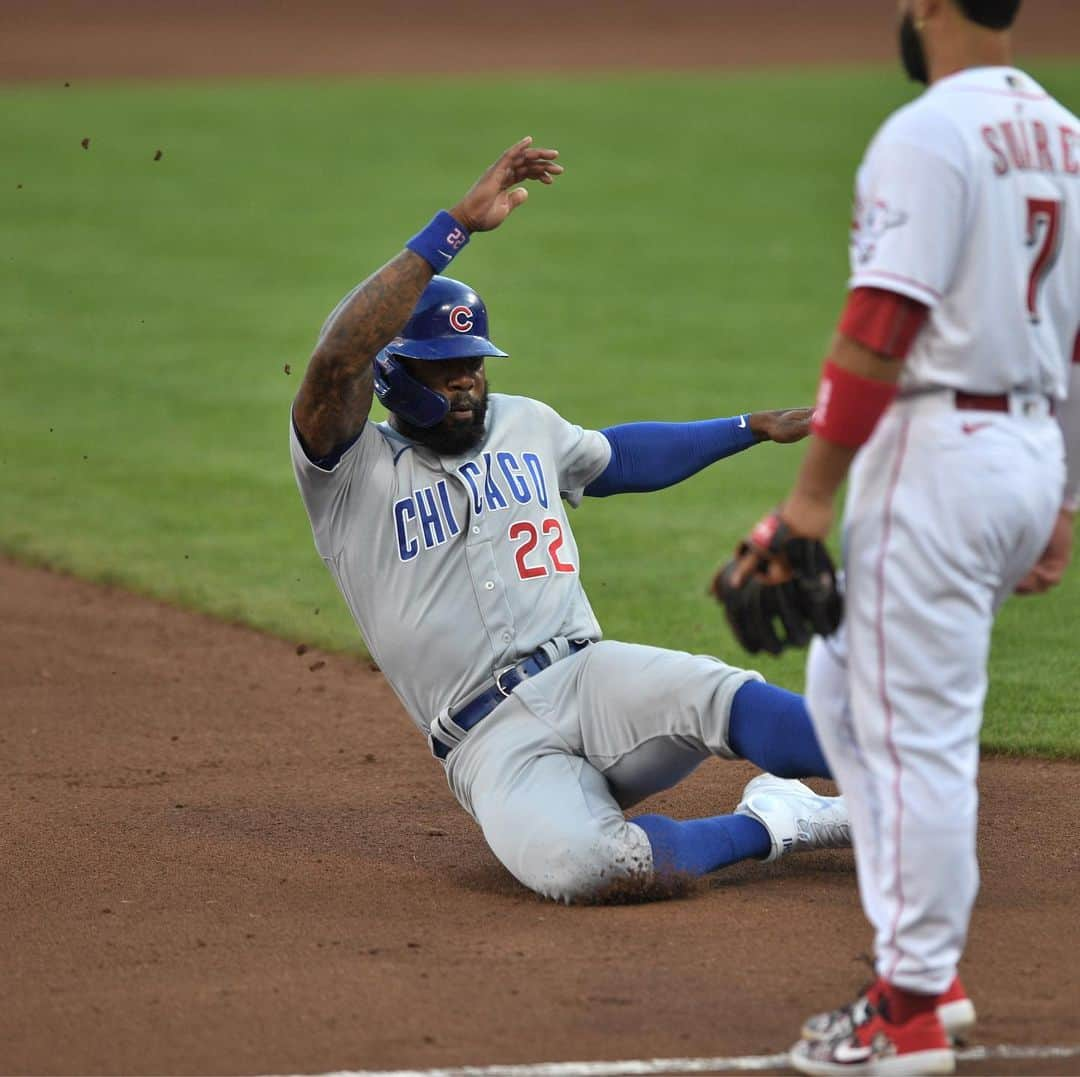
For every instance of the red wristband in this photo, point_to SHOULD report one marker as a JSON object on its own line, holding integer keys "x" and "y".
{"x": 849, "y": 405}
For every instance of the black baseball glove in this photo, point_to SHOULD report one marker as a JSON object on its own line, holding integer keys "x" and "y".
{"x": 779, "y": 590}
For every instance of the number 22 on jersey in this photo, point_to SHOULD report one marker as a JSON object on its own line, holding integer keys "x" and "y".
{"x": 550, "y": 535}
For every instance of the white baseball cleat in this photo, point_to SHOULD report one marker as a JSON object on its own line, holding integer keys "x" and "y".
{"x": 795, "y": 816}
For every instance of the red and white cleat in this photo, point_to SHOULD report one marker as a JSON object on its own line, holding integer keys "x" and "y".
{"x": 955, "y": 1010}
{"x": 878, "y": 1048}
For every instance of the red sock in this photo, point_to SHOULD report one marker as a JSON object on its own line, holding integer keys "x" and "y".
{"x": 904, "y": 1005}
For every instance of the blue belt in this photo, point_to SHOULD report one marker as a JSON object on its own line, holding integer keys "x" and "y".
{"x": 506, "y": 680}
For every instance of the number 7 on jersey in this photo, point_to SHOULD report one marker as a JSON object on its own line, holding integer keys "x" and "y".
{"x": 1043, "y": 217}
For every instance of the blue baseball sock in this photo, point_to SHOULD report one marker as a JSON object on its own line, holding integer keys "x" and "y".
{"x": 698, "y": 846}
{"x": 771, "y": 727}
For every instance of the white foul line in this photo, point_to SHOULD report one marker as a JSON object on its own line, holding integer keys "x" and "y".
{"x": 654, "y": 1066}
{"x": 649, "y": 1066}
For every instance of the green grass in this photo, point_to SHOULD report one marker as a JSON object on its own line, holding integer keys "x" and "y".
{"x": 690, "y": 263}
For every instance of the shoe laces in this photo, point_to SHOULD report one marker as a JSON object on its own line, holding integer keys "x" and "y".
{"x": 861, "y": 1008}
{"x": 825, "y": 834}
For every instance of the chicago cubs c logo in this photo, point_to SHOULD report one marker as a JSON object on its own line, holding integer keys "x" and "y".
{"x": 461, "y": 319}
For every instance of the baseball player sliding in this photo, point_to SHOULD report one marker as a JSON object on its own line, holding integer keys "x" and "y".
{"x": 446, "y": 531}
{"x": 945, "y": 391}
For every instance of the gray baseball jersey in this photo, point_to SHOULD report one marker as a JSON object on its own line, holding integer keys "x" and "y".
{"x": 469, "y": 556}
{"x": 455, "y": 567}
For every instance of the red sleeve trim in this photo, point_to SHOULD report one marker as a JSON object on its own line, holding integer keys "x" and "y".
{"x": 1076, "y": 349}
{"x": 885, "y": 322}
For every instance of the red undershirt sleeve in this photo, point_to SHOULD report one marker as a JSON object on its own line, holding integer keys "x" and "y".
{"x": 885, "y": 322}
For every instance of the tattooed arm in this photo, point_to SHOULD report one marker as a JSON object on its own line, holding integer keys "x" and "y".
{"x": 335, "y": 395}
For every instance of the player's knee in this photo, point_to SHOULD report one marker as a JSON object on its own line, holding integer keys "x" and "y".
{"x": 585, "y": 867}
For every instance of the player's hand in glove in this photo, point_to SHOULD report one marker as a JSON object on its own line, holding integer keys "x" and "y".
{"x": 495, "y": 195}
{"x": 779, "y": 589}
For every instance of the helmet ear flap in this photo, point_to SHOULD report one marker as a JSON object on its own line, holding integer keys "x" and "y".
{"x": 398, "y": 391}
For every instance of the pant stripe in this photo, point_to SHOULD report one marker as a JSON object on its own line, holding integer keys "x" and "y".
{"x": 884, "y": 691}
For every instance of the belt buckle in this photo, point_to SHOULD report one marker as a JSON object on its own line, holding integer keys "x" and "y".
{"x": 499, "y": 674}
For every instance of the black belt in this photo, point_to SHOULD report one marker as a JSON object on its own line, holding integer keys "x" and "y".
{"x": 506, "y": 680}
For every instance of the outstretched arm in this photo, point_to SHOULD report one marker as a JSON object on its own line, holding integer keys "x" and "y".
{"x": 335, "y": 396}
{"x": 652, "y": 456}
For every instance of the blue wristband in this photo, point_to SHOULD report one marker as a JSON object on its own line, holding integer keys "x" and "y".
{"x": 440, "y": 241}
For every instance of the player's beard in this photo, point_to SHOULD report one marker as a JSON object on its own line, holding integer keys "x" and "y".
{"x": 450, "y": 437}
{"x": 912, "y": 53}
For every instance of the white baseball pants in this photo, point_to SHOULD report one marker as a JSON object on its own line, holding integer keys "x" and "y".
{"x": 946, "y": 511}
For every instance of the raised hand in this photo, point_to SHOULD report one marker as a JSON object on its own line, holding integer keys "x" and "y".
{"x": 494, "y": 195}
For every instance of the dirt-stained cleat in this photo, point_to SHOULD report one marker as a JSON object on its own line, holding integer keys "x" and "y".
{"x": 795, "y": 816}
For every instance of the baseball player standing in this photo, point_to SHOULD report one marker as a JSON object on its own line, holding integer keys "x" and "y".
{"x": 952, "y": 358}
{"x": 446, "y": 532}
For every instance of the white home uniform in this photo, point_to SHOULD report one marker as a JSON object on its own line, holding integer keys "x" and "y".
{"x": 968, "y": 200}
{"x": 457, "y": 567}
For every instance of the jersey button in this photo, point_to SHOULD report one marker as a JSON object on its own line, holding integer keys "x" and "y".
{"x": 489, "y": 586}
{"x": 507, "y": 637}
{"x": 476, "y": 530}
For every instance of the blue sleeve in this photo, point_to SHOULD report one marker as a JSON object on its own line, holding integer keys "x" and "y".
{"x": 651, "y": 456}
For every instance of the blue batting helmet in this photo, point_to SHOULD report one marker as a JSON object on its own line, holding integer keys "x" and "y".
{"x": 449, "y": 321}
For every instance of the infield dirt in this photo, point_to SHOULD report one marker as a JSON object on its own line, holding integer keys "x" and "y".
{"x": 177, "y": 39}
{"x": 226, "y": 853}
